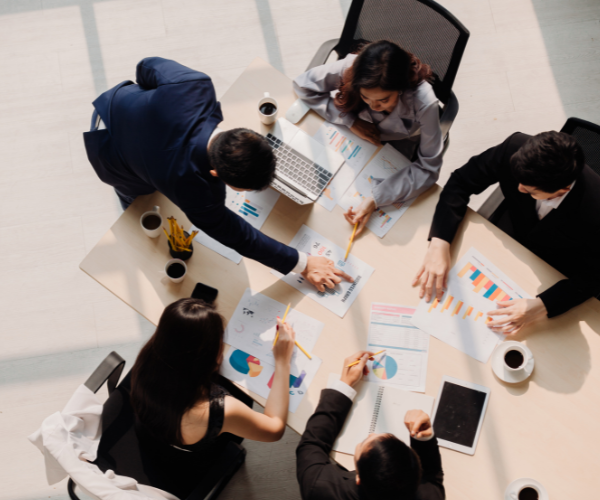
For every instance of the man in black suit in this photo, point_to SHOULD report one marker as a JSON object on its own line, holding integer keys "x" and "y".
{"x": 551, "y": 206}
{"x": 386, "y": 468}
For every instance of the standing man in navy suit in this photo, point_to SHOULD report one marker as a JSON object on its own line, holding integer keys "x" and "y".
{"x": 161, "y": 135}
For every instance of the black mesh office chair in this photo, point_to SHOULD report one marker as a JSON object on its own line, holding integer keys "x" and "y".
{"x": 587, "y": 135}
{"x": 422, "y": 27}
{"x": 120, "y": 450}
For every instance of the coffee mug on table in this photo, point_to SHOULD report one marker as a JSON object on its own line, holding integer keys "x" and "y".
{"x": 267, "y": 109}
{"x": 151, "y": 222}
{"x": 515, "y": 358}
{"x": 527, "y": 492}
{"x": 176, "y": 270}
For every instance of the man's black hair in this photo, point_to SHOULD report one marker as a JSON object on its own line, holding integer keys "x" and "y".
{"x": 243, "y": 159}
{"x": 388, "y": 470}
{"x": 548, "y": 161}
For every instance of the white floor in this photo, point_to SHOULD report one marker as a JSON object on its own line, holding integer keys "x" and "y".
{"x": 528, "y": 66}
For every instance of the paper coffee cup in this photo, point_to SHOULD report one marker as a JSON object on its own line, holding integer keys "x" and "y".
{"x": 151, "y": 222}
{"x": 267, "y": 118}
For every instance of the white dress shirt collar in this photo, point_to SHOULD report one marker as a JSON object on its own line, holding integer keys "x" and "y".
{"x": 543, "y": 207}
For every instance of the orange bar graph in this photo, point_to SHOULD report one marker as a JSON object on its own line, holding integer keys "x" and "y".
{"x": 434, "y": 305}
{"x": 464, "y": 270}
{"x": 468, "y": 312}
{"x": 503, "y": 298}
{"x": 447, "y": 303}
{"x": 496, "y": 293}
{"x": 478, "y": 315}
{"x": 487, "y": 320}
{"x": 457, "y": 308}
{"x": 481, "y": 284}
{"x": 479, "y": 279}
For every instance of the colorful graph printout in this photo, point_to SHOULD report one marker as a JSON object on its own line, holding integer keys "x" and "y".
{"x": 238, "y": 367}
{"x": 252, "y": 206}
{"x": 252, "y": 329}
{"x": 385, "y": 164}
{"x": 356, "y": 152}
{"x": 475, "y": 286}
{"x": 338, "y": 299}
{"x": 404, "y": 362}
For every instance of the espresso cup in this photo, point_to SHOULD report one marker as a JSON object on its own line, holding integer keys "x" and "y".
{"x": 267, "y": 109}
{"x": 527, "y": 492}
{"x": 515, "y": 358}
{"x": 151, "y": 222}
{"x": 176, "y": 270}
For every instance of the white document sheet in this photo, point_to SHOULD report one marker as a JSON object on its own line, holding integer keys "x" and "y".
{"x": 378, "y": 409}
{"x": 404, "y": 362}
{"x": 257, "y": 376}
{"x": 252, "y": 328}
{"x": 338, "y": 299}
{"x": 356, "y": 152}
{"x": 386, "y": 163}
{"x": 253, "y": 206}
{"x": 475, "y": 285}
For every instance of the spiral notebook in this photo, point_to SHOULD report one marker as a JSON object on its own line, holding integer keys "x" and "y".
{"x": 378, "y": 408}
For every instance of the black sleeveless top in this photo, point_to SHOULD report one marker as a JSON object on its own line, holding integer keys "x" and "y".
{"x": 178, "y": 469}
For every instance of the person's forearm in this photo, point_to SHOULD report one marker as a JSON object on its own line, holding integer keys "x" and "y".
{"x": 279, "y": 397}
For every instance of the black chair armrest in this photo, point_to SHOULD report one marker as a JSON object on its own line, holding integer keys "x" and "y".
{"x": 448, "y": 114}
{"x": 323, "y": 53}
{"x": 222, "y": 470}
{"x": 108, "y": 371}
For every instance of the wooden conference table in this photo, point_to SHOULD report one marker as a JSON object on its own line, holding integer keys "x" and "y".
{"x": 545, "y": 428}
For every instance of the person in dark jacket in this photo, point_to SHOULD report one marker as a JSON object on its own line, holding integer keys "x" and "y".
{"x": 386, "y": 468}
{"x": 551, "y": 206}
{"x": 161, "y": 135}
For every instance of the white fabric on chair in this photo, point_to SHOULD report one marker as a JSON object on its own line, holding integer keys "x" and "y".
{"x": 70, "y": 438}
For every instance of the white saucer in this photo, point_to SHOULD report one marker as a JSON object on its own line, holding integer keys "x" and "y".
{"x": 517, "y": 484}
{"x": 502, "y": 372}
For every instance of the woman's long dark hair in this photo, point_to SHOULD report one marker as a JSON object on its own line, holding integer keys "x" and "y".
{"x": 174, "y": 369}
{"x": 380, "y": 64}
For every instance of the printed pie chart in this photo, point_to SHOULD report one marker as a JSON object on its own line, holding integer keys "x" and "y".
{"x": 245, "y": 363}
{"x": 385, "y": 367}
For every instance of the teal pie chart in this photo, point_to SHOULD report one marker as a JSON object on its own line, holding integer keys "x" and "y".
{"x": 385, "y": 367}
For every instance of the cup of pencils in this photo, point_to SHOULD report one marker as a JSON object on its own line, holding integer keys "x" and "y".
{"x": 180, "y": 241}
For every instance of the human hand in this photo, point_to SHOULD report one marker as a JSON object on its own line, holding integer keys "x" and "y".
{"x": 367, "y": 131}
{"x": 515, "y": 314}
{"x": 418, "y": 424}
{"x": 434, "y": 269}
{"x": 362, "y": 214}
{"x": 286, "y": 340}
{"x": 321, "y": 272}
{"x": 351, "y": 375}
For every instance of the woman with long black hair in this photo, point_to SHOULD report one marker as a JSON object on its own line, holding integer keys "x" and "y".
{"x": 183, "y": 415}
{"x": 383, "y": 94}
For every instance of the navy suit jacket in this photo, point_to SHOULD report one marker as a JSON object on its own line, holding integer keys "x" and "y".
{"x": 156, "y": 139}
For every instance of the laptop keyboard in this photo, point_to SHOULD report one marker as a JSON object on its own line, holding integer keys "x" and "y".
{"x": 293, "y": 165}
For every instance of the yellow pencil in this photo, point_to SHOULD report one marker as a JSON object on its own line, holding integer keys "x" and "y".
{"x": 283, "y": 321}
{"x": 302, "y": 349}
{"x": 350, "y": 243}
{"x": 358, "y": 360}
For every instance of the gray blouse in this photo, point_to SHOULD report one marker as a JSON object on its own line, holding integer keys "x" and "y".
{"x": 417, "y": 113}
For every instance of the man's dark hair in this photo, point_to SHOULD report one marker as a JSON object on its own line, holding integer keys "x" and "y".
{"x": 388, "y": 470}
{"x": 243, "y": 159}
{"x": 548, "y": 161}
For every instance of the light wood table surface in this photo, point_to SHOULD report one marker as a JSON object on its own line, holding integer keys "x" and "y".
{"x": 545, "y": 428}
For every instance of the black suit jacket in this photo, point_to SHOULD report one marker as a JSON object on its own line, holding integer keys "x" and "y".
{"x": 321, "y": 479}
{"x": 567, "y": 238}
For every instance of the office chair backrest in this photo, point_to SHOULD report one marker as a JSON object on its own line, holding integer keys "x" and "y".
{"x": 422, "y": 27}
{"x": 588, "y": 137}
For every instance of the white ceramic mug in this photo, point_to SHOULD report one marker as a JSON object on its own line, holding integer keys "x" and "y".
{"x": 515, "y": 495}
{"x": 152, "y": 233}
{"x": 175, "y": 261}
{"x": 267, "y": 119}
{"x": 523, "y": 352}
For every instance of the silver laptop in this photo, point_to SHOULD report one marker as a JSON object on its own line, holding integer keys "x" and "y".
{"x": 304, "y": 167}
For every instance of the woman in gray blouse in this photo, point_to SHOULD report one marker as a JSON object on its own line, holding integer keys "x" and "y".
{"x": 383, "y": 94}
